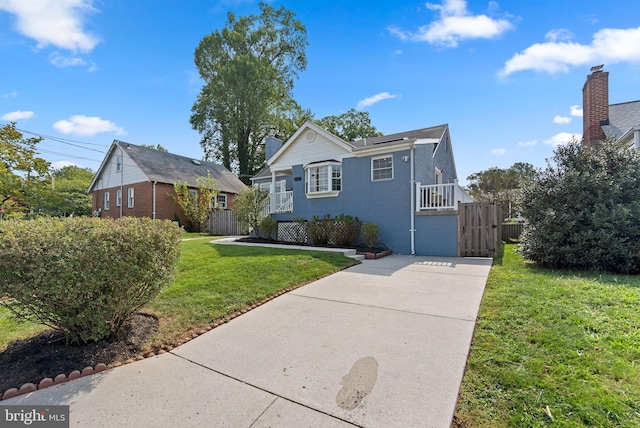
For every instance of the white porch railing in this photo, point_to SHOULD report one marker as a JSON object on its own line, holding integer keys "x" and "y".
{"x": 441, "y": 197}
{"x": 282, "y": 202}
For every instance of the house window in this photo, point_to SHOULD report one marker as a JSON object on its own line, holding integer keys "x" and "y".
{"x": 130, "y": 197}
{"x": 323, "y": 179}
{"x": 221, "y": 201}
{"x": 106, "y": 201}
{"x": 118, "y": 163}
{"x": 118, "y": 198}
{"x": 438, "y": 176}
{"x": 382, "y": 168}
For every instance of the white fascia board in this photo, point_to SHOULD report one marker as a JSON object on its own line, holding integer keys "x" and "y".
{"x": 101, "y": 167}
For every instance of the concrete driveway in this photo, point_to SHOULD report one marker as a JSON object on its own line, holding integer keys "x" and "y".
{"x": 381, "y": 344}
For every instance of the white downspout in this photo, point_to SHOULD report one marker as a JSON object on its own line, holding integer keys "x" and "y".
{"x": 413, "y": 204}
{"x": 636, "y": 137}
{"x": 154, "y": 201}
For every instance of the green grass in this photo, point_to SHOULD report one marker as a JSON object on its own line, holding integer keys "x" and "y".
{"x": 553, "y": 348}
{"x": 212, "y": 282}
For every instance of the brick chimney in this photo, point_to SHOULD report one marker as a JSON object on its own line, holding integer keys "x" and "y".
{"x": 595, "y": 106}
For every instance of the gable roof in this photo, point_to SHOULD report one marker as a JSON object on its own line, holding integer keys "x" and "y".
{"x": 622, "y": 117}
{"x": 163, "y": 167}
{"x": 431, "y": 133}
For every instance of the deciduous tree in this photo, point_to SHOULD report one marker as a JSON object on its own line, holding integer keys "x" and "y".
{"x": 22, "y": 172}
{"x": 248, "y": 69}
{"x": 196, "y": 204}
{"x": 350, "y": 126}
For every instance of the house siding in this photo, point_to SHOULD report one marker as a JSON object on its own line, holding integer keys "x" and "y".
{"x": 385, "y": 202}
{"x": 302, "y": 151}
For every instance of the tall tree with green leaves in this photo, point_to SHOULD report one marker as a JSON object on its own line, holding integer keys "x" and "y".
{"x": 196, "y": 203}
{"x": 350, "y": 126}
{"x": 500, "y": 185}
{"x": 22, "y": 172}
{"x": 248, "y": 69}
{"x": 66, "y": 194}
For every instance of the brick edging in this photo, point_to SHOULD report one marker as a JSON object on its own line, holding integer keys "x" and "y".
{"x": 189, "y": 335}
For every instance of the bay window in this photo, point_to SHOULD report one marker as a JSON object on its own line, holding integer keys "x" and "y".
{"x": 323, "y": 179}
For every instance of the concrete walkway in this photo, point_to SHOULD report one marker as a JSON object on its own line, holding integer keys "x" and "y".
{"x": 381, "y": 344}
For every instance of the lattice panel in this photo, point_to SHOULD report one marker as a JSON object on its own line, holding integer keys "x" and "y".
{"x": 292, "y": 231}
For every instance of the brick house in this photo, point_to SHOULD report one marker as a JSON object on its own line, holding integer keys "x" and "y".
{"x": 601, "y": 119}
{"x": 138, "y": 181}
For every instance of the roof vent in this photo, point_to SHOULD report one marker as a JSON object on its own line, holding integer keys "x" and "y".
{"x": 195, "y": 162}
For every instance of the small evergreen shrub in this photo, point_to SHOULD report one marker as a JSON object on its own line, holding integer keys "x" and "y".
{"x": 320, "y": 230}
{"x": 370, "y": 235}
{"x": 86, "y": 276}
{"x": 346, "y": 230}
{"x": 268, "y": 227}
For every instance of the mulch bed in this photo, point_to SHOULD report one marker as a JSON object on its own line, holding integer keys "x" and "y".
{"x": 47, "y": 355}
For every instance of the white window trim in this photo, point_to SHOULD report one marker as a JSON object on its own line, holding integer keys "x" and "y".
{"x": 220, "y": 205}
{"x": 106, "y": 201}
{"x": 372, "y": 169}
{"x": 118, "y": 197}
{"x": 130, "y": 197}
{"x": 324, "y": 193}
{"x": 119, "y": 161}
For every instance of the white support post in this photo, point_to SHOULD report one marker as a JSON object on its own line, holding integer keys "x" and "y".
{"x": 418, "y": 199}
{"x": 272, "y": 193}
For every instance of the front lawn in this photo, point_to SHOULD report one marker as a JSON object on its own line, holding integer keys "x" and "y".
{"x": 213, "y": 282}
{"x": 553, "y": 348}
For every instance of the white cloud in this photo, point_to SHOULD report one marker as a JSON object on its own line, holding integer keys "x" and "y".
{"x": 456, "y": 23}
{"x": 61, "y": 164}
{"x": 528, "y": 143}
{"x": 576, "y": 111}
{"x": 65, "y": 61}
{"x": 53, "y": 22}
{"x": 561, "y": 120}
{"x": 375, "y": 99}
{"x": 11, "y": 94}
{"x": 498, "y": 152}
{"x": 87, "y": 126}
{"x": 563, "y": 138}
{"x": 17, "y": 115}
{"x": 608, "y": 46}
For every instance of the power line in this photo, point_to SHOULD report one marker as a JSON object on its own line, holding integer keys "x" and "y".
{"x": 66, "y": 141}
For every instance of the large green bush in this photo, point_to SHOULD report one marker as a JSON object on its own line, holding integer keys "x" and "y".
{"x": 86, "y": 276}
{"x": 582, "y": 211}
{"x": 346, "y": 230}
{"x": 320, "y": 229}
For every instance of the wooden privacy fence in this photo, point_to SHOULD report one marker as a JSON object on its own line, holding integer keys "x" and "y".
{"x": 511, "y": 231}
{"x": 479, "y": 234}
{"x": 222, "y": 222}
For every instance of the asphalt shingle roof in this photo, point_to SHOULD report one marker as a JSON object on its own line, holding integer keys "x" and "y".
{"x": 168, "y": 168}
{"x": 622, "y": 117}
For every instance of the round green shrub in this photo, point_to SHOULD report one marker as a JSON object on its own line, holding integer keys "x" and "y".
{"x": 268, "y": 226}
{"x": 86, "y": 276}
{"x": 369, "y": 233}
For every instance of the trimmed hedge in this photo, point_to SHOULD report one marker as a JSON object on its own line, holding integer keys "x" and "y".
{"x": 86, "y": 276}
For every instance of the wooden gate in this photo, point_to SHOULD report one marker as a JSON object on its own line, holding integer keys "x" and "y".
{"x": 478, "y": 229}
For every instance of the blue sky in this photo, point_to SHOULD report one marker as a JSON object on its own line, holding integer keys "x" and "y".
{"x": 506, "y": 76}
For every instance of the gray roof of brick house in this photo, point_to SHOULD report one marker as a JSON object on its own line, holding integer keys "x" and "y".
{"x": 622, "y": 117}
{"x": 164, "y": 167}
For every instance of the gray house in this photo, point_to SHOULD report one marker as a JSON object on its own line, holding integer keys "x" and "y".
{"x": 406, "y": 183}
